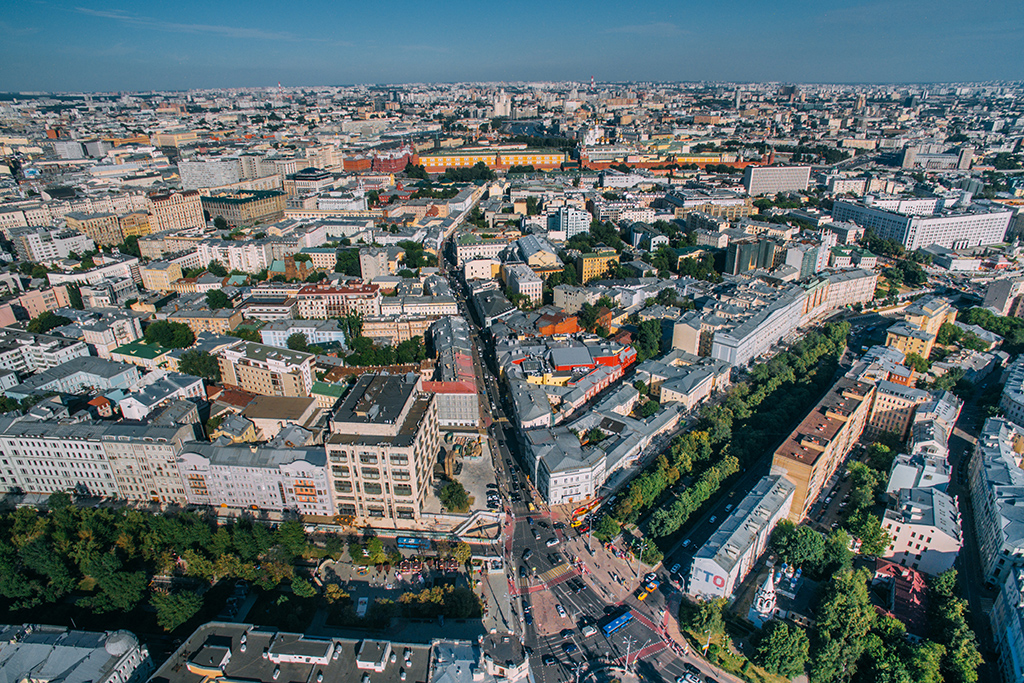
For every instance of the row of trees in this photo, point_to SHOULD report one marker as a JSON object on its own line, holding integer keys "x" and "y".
{"x": 1010, "y": 329}
{"x": 366, "y": 353}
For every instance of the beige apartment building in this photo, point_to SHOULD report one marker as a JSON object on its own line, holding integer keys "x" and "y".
{"x": 134, "y": 224}
{"x": 816, "y": 449}
{"x": 320, "y": 302}
{"x": 176, "y": 211}
{"x": 102, "y": 228}
{"x": 381, "y": 451}
{"x": 157, "y": 276}
{"x": 266, "y": 370}
{"x": 219, "y": 321}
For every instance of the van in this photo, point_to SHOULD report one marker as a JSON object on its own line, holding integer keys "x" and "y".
{"x": 588, "y": 631}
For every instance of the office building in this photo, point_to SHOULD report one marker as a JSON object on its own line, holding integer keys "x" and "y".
{"x": 198, "y": 174}
{"x": 218, "y": 320}
{"x": 38, "y": 653}
{"x": 46, "y": 246}
{"x": 77, "y": 375}
{"x": 266, "y": 370}
{"x": 721, "y": 564}
{"x": 37, "y": 301}
{"x": 173, "y": 211}
{"x": 102, "y": 228}
{"x": 26, "y": 353}
{"x": 522, "y": 281}
{"x": 918, "y": 227}
{"x": 818, "y": 447}
{"x": 892, "y": 410}
{"x": 382, "y": 448}
{"x": 759, "y": 180}
{"x": 750, "y": 254}
{"x": 277, "y": 332}
{"x": 110, "y": 332}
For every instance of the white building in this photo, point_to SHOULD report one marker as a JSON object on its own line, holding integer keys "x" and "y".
{"x": 569, "y": 220}
{"x": 755, "y": 335}
{"x": 249, "y": 256}
{"x": 208, "y": 173}
{"x": 276, "y": 332}
{"x": 925, "y": 530}
{"x": 916, "y": 227}
{"x": 760, "y": 180}
{"x": 997, "y": 482}
{"x": 1007, "y": 617}
{"x": 32, "y": 652}
{"x": 1012, "y": 400}
{"x": 264, "y": 478}
{"x": 725, "y": 559}
{"x": 520, "y": 279}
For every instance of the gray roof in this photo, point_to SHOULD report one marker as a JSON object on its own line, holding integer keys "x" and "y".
{"x": 59, "y": 655}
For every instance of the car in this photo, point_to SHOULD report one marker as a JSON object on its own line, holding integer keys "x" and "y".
{"x": 560, "y": 610}
{"x": 692, "y": 678}
{"x": 578, "y": 586}
{"x": 492, "y": 485}
{"x": 713, "y": 519}
{"x": 536, "y": 534}
{"x": 691, "y": 668}
{"x": 551, "y": 542}
{"x": 508, "y": 461}
{"x": 566, "y": 633}
{"x": 675, "y": 568}
{"x": 548, "y": 660}
{"x": 522, "y": 572}
{"x": 569, "y": 647}
{"x": 529, "y": 520}
{"x": 686, "y": 543}
{"x": 728, "y": 508}
{"x": 554, "y": 558}
{"x": 528, "y": 618}
{"x": 710, "y": 680}
{"x": 650, "y": 576}
{"x": 828, "y": 500}
{"x": 544, "y": 525}
{"x": 527, "y": 554}
{"x": 559, "y": 525}
{"x": 588, "y": 631}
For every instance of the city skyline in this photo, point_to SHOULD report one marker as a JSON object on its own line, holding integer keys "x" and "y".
{"x": 103, "y": 46}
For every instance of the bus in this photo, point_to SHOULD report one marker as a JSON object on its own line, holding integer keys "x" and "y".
{"x": 413, "y": 543}
{"x": 617, "y": 623}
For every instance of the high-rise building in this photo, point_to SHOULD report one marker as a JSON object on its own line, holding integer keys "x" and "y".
{"x": 774, "y": 179}
{"x": 570, "y": 220}
{"x": 382, "y": 448}
{"x": 978, "y": 224}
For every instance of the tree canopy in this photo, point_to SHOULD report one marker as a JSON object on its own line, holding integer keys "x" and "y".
{"x": 170, "y": 335}
{"x": 199, "y": 364}
{"x": 46, "y": 321}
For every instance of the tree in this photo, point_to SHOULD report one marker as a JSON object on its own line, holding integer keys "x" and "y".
{"x": 462, "y": 552}
{"x": 783, "y": 649}
{"x": 216, "y": 298}
{"x": 220, "y": 223}
{"x": 302, "y": 588}
{"x": 648, "y": 409}
{"x": 917, "y": 363}
{"x": 130, "y": 246}
{"x": 173, "y": 610}
{"x": 199, "y": 364}
{"x": 298, "y": 342}
{"x": 948, "y": 620}
{"x": 708, "y": 617}
{"x": 217, "y": 268}
{"x": 75, "y": 297}
{"x": 170, "y": 335}
{"x": 334, "y": 593}
{"x": 46, "y": 321}
{"x": 844, "y": 616}
{"x": 606, "y": 528}
{"x": 454, "y": 497}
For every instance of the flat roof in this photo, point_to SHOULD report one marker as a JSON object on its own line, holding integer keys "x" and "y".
{"x": 377, "y": 399}
{"x": 814, "y": 433}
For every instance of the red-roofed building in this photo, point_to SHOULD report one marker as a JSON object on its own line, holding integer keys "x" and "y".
{"x": 904, "y": 596}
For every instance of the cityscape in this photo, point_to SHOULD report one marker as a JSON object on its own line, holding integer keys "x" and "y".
{"x": 581, "y": 380}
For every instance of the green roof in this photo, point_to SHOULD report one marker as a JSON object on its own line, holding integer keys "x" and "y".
{"x": 325, "y": 389}
{"x": 140, "y": 349}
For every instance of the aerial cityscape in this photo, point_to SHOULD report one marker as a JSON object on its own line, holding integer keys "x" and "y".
{"x": 477, "y": 368}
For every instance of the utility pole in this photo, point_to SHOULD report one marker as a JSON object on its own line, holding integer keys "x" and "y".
{"x": 629, "y": 643}
{"x": 640, "y": 557}
{"x": 707, "y": 644}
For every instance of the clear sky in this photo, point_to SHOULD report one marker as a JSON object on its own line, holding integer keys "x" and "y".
{"x": 178, "y": 44}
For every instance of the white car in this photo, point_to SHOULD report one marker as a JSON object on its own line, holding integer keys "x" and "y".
{"x": 560, "y": 610}
{"x": 588, "y": 631}
{"x": 551, "y": 542}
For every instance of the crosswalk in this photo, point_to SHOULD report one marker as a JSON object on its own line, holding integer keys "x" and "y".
{"x": 555, "y": 572}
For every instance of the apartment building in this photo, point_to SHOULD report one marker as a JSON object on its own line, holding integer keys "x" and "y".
{"x": 46, "y": 246}
{"x": 892, "y": 410}
{"x": 469, "y": 246}
{"x": 203, "y": 173}
{"x": 249, "y": 256}
{"x": 333, "y": 301}
{"x": 111, "y": 459}
{"x": 595, "y": 265}
{"x": 1007, "y": 617}
{"x": 110, "y": 332}
{"x": 76, "y": 375}
{"x": 375, "y": 262}
{"x": 395, "y": 329}
{"x": 157, "y": 276}
{"x": 759, "y": 180}
{"x": 925, "y": 530}
{"x": 134, "y": 224}
{"x": 908, "y": 339}
{"x": 569, "y": 220}
{"x": 521, "y": 280}
{"x": 382, "y": 448}
{"x": 915, "y": 228}
{"x": 173, "y": 211}
{"x": 725, "y": 559}
{"x": 930, "y": 313}
{"x": 26, "y": 353}
{"x": 266, "y": 370}
{"x": 256, "y": 478}
{"x": 818, "y": 446}
{"x": 247, "y": 207}
{"x": 37, "y": 301}
{"x": 102, "y": 228}
{"x": 277, "y": 332}
{"x": 996, "y": 481}
{"x": 218, "y": 321}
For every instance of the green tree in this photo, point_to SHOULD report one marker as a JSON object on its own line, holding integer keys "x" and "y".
{"x": 170, "y": 335}
{"x": 173, "y": 610}
{"x": 46, "y": 321}
{"x": 220, "y": 223}
{"x": 298, "y": 342}
{"x": 844, "y": 617}
{"x": 199, "y": 364}
{"x": 217, "y": 268}
{"x": 462, "y": 552}
{"x": 708, "y": 617}
{"x": 302, "y": 588}
{"x": 917, "y": 363}
{"x": 454, "y": 497}
{"x": 216, "y": 299}
{"x": 75, "y": 296}
{"x": 606, "y": 528}
{"x": 948, "y": 621}
{"x": 783, "y": 649}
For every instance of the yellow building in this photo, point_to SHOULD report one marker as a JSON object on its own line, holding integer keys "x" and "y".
{"x": 174, "y": 138}
{"x": 817, "y": 448}
{"x": 176, "y": 211}
{"x": 219, "y": 321}
{"x": 134, "y": 224}
{"x": 439, "y": 163}
{"x": 595, "y": 265}
{"x": 102, "y": 228}
{"x": 893, "y": 408}
{"x": 929, "y": 314}
{"x": 908, "y": 339}
{"x": 157, "y": 276}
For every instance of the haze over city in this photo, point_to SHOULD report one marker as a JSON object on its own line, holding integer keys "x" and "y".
{"x": 96, "y": 46}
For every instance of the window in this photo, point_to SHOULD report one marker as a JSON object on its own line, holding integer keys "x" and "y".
{"x": 343, "y": 486}
{"x": 403, "y": 490}
{"x": 372, "y": 489}
{"x": 370, "y": 473}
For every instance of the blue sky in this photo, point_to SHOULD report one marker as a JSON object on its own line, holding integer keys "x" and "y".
{"x": 84, "y": 45}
